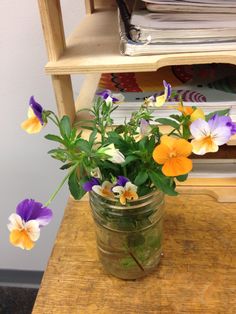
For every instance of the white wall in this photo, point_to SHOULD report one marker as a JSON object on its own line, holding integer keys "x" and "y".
{"x": 26, "y": 169}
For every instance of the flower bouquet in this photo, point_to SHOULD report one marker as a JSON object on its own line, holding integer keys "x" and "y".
{"x": 126, "y": 169}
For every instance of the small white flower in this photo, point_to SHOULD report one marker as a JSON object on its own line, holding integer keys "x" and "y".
{"x": 96, "y": 173}
{"x": 127, "y": 192}
{"x": 114, "y": 155}
{"x": 109, "y": 100}
{"x": 104, "y": 189}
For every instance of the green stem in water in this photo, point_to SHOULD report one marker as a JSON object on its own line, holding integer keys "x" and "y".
{"x": 59, "y": 187}
{"x": 136, "y": 261}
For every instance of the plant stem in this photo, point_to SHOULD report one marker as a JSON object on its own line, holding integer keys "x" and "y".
{"x": 125, "y": 171}
{"x": 54, "y": 121}
{"x": 136, "y": 261}
{"x": 59, "y": 187}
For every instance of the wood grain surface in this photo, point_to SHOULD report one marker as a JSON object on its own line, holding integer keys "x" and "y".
{"x": 197, "y": 273}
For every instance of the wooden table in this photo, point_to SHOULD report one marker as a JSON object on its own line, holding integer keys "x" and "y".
{"x": 197, "y": 273}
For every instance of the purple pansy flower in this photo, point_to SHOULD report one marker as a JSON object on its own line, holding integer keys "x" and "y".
{"x": 107, "y": 93}
{"x": 209, "y": 135}
{"x": 167, "y": 88}
{"x": 25, "y": 224}
{"x": 121, "y": 181}
{"x": 158, "y": 100}
{"x": 87, "y": 186}
{"x": 37, "y": 109}
{"x": 223, "y": 120}
{"x": 232, "y": 126}
{"x": 29, "y": 209}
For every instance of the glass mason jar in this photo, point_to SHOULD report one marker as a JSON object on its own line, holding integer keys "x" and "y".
{"x": 129, "y": 238}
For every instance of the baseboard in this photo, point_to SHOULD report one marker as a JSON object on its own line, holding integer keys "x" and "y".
{"x": 20, "y": 278}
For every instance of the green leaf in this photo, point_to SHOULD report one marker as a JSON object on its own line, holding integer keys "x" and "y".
{"x": 129, "y": 159}
{"x": 59, "y": 154}
{"x": 135, "y": 239}
{"x": 75, "y": 186}
{"x": 182, "y": 178}
{"x": 73, "y": 134}
{"x": 65, "y": 127}
{"x": 66, "y": 166}
{"x": 143, "y": 144}
{"x": 151, "y": 145}
{"x": 219, "y": 112}
{"x": 141, "y": 177}
{"x": 92, "y": 137}
{"x": 163, "y": 183}
{"x": 186, "y": 132}
{"x": 109, "y": 165}
{"x": 87, "y": 127}
{"x": 83, "y": 145}
{"x": 127, "y": 262}
{"x": 120, "y": 129}
{"x": 55, "y": 138}
{"x": 176, "y": 117}
{"x": 166, "y": 121}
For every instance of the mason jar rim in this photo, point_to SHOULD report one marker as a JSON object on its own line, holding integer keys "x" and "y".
{"x": 132, "y": 204}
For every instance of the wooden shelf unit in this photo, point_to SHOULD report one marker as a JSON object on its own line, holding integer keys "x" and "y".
{"x": 74, "y": 281}
{"x": 94, "y": 48}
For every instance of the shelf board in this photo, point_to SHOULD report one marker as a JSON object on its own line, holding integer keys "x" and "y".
{"x": 94, "y": 48}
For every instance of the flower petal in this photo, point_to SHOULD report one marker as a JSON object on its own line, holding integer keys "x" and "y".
{"x": 160, "y": 100}
{"x": 168, "y": 141}
{"x": 21, "y": 239}
{"x": 118, "y": 190}
{"x": 183, "y": 148}
{"x": 204, "y": 145}
{"x": 37, "y": 109}
{"x": 32, "y": 229}
{"x": 217, "y": 121}
{"x": 16, "y": 222}
{"x": 161, "y": 153}
{"x": 87, "y": 186}
{"x": 32, "y": 125}
{"x": 29, "y": 209}
{"x": 177, "y": 166}
{"x": 167, "y": 88}
{"x": 197, "y": 114}
{"x": 199, "y": 128}
{"x": 186, "y": 110}
{"x": 121, "y": 180}
{"x": 221, "y": 135}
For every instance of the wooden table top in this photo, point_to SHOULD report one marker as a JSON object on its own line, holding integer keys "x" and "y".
{"x": 197, "y": 273}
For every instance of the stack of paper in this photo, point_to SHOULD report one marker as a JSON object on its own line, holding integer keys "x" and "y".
{"x": 172, "y": 26}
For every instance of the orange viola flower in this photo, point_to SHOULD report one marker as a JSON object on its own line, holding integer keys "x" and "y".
{"x": 194, "y": 113}
{"x": 172, "y": 153}
{"x": 186, "y": 110}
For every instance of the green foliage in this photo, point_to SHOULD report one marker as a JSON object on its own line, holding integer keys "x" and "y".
{"x": 182, "y": 178}
{"x": 133, "y": 142}
{"x": 165, "y": 184}
{"x": 75, "y": 185}
{"x": 65, "y": 127}
{"x": 166, "y": 121}
{"x": 55, "y": 138}
{"x": 219, "y": 112}
{"x": 141, "y": 177}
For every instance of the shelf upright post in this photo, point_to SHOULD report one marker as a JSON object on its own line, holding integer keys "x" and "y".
{"x": 89, "y": 6}
{"x": 52, "y": 24}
